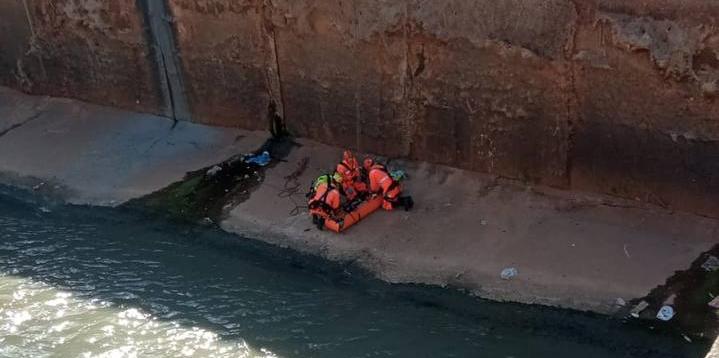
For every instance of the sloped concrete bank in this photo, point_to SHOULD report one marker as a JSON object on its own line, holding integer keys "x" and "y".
{"x": 99, "y": 155}
{"x": 609, "y": 96}
{"x": 571, "y": 249}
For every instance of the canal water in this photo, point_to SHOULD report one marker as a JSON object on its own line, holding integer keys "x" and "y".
{"x": 100, "y": 282}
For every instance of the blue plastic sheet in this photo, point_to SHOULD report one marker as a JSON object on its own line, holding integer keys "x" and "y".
{"x": 259, "y": 159}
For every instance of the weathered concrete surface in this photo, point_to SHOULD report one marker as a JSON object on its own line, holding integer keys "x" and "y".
{"x": 610, "y": 96}
{"x": 607, "y": 96}
{"x": 343, "y": 75}
{"x": 571, "y": 250}
{"x": 104, "y": 156}
{"x": 714, "y": 352}
{"x": 428, "y": 80}
{"x": 492, "y": 96}
{"x": 648, "y": 122}
{"x": 161, "y": 37}
{"x": 225, "y": 57}
{"x": 93, "y": 50}
{"x": 16, "y": 110}
{"x": 15, "y": 35}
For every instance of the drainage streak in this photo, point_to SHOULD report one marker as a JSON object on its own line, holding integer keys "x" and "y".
{"x": 161, "y": 35}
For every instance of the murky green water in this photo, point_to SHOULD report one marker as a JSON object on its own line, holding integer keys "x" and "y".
{"x": 89, "y": 282}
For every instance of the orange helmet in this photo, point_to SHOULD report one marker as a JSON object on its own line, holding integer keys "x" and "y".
{"x": 368, "y": 163}
{"x": 349, "y": 160}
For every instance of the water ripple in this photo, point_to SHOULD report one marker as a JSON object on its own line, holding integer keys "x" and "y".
{"x": 87, "y": 282}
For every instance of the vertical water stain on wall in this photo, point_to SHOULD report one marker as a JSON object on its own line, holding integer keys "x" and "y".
{"x": 161, "y": 37}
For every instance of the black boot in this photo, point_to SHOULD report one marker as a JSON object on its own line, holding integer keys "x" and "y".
{"x": 407, "y": 202}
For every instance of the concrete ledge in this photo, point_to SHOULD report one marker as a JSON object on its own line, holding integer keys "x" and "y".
{"x": 105, "y": 156}
{"x": 714, "y": 352}
{"x": 571, "y": 249}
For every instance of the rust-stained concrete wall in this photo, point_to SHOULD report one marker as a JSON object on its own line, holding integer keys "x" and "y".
{"x": 94, "y": 50}
{"x": 14, "y": 40}
{"x": 647, "y": 121}
{"x": 609, "y": 96}
{"x": 490, "y": 86}
{"x": 225, "y": 57}
{"x": 471, "y": 84}
{"x": 343, "y": 74}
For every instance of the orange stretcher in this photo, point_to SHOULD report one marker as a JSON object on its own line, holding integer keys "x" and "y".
{"x": 348, "y": 219}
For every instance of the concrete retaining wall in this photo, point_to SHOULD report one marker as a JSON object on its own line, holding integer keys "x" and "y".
{"x": 93, "y": 50}
{"x": 647, "y": 118}
{"x": 603, "y": 95}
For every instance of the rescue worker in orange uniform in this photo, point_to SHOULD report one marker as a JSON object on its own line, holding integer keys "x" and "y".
{"x": 382, "y": 183}
{"x": 349, "y": 169}
{"x": 325, "y": 202}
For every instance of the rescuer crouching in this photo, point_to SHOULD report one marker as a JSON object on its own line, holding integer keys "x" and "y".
{"x": 353, "y": 187}
{"x": 382, "y": 183}
{"x": 325, "y": 199}
{"x": 340, "y": 200}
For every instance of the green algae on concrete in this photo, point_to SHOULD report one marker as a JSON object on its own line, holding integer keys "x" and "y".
{"x": 203, "y": 193}
{"x": 211, "y": 192}
{"x": 689, "y": 293}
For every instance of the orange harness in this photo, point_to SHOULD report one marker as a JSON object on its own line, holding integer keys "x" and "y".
{"x": 319, "y": 206}
{"x": 391, "y": 187}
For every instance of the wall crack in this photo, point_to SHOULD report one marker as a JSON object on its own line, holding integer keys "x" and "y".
{"x": 276, "y": 109}
{"x": 40, "y": 111}
{"x": 572, "y": 102}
